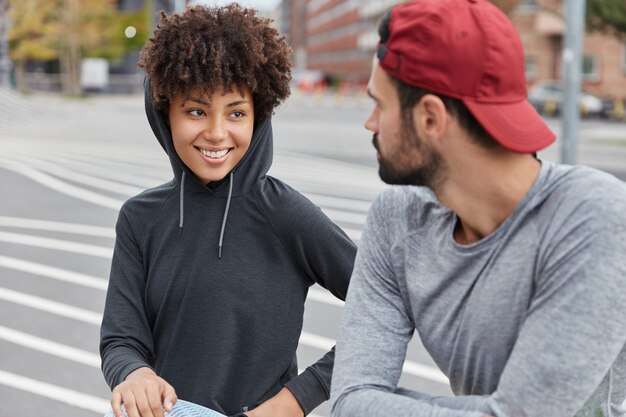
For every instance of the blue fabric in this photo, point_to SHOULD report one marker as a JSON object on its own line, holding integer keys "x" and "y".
{"x": 182, "y": 409}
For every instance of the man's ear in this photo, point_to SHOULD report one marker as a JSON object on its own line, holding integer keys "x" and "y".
{"x": 430, "y": 117}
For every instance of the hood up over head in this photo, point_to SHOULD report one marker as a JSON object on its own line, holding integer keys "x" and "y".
{"x": 252, "y": 167}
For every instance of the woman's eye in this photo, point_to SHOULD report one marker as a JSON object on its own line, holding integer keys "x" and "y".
{"x": 237, "y": 114}
{"x": 196, "y": 112}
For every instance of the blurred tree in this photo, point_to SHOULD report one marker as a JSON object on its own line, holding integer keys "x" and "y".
{"x": 34, "y": 33}
{"x": 91, "y": 28}
{"x": 507, "y": 6}
{"x": 607, "y": 16}
{"x": 70, "y": 30}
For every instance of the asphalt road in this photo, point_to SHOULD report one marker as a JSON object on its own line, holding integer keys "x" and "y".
{"x": 65, "y": 168}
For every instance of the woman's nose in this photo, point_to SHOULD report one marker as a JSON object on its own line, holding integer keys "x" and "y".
{"x": 215, "y": 130}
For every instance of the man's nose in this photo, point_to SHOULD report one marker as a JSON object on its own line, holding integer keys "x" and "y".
{"x": 371, "y": 123}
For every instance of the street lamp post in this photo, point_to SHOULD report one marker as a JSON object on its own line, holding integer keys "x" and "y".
{"x": 572, "y": 69}
{"x": 5, "y": 62}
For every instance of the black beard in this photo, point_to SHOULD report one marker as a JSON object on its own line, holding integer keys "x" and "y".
{"x": 427, "y": 174}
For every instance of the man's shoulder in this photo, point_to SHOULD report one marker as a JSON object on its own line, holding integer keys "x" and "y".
{"x": 580, "y": 193}
{"x": 576, "y": 185}
{"x": 408, "y": 207}
{"x": 400, "y": 198}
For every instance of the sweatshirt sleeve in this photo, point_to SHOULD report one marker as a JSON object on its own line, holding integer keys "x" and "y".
{"x": 125, "y": 336}
{"x": 375, "y": 330}
{"x": 326, "y": 255}
{"x": 556, "y": 363}
{"x": 575, "y": 327}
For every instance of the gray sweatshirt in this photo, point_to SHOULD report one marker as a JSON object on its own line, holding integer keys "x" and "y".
{"x": 529, "y": 321}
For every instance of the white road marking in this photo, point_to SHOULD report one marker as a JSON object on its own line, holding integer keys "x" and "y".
{"x": 339, "y": 202}
{"x": 409, "y": 367}
{"x": 60, "y": 186}
{"x": 51, "y": 348}
{"x": 344, "y": 216}
{"x": 315, "y": 341}
{"x": 306, "y": 338}
{"x": 323, "y": 296}
{"x": 65, "y": 275}
{"x": 353, "y": 234}
{"x": 73, "y": 228}
{"x": 424, "y": 371}
{"x": 77, "y": 177}
{"x": 55, "y": 392}
{"x": 49, "y": 306}
{"x": 56, "y": 244}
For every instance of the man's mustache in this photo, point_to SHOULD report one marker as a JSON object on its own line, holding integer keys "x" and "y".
{"x": 375, "y": 141}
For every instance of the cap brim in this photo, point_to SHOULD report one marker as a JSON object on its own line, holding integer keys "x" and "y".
{"x": 516, "y": 126}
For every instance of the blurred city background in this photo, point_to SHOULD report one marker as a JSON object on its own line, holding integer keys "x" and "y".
{"x": 75, "y": 145}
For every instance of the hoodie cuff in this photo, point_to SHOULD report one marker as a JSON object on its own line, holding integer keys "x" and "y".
{"x": 133, "y": 366}
{"x": 308, "y": 390}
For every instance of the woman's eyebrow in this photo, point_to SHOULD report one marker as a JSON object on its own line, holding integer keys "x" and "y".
{"x": 237, "y": 103}
{"x": 198, "y": 100}
{"x": 206, "y": 103}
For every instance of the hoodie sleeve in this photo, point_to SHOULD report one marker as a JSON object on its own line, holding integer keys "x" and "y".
{"x": 125, "y": 336}
{"x": 324, "y": 253}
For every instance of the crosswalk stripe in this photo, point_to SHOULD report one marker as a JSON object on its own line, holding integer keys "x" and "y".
{"x": 323, "y": 296}
{"x": 63, "y": 227}
{"x": 342, "y": 216}
{"x": 60, "y": 394}
{"x": 84, "y": 179}
{"x": 409, "y": 367}
{"x": 339, "y": 202}
{"x": 53, "y": 272}
{"x": 56, "y": 244}
{"x": 43, "y": 304}
{"x": 91, "y": 359}
{"x": 49, "y": 347}
{"x": 54, "y": 392}
{"x": 61, "y": 186}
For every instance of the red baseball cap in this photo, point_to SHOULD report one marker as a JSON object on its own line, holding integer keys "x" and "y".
{"x": 469, "y": 50}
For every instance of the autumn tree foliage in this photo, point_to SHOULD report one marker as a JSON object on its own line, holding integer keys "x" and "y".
{"x": 507, "y": 6}
{"x": 68, "y": 31}
{"x": 608, "y": 16}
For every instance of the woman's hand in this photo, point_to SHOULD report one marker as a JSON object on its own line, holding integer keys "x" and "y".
{"x": 283, "y": 404}
{"x": 144, "y": 394}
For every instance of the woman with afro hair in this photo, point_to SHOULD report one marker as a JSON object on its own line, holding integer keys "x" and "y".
{"x": 211, "y": 270}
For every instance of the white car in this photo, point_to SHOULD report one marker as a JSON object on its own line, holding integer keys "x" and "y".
{"x": 547, "y": 98}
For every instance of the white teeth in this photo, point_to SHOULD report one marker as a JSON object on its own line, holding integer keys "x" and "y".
{"x": 217, "y": 154}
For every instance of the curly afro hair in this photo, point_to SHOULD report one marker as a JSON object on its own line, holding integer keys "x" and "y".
{"x": 210, "y": 49}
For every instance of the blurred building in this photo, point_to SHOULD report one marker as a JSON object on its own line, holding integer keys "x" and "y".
{"x": 542, "y": 28}
{"x": 290, "y": 20}
{"x": 167, "y": 5}
{"x": 338, "y": 38}
{"x": 341, "y": 36}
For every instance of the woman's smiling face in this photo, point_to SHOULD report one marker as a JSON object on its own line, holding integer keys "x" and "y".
{"x": 212, "y": 134}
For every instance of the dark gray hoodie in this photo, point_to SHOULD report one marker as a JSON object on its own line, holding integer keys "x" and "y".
{"x": 221, "y": 325}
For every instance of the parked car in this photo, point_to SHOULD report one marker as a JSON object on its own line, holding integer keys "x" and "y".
{"x": 547, "y": 98}
{"x": 308, "y": 80}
